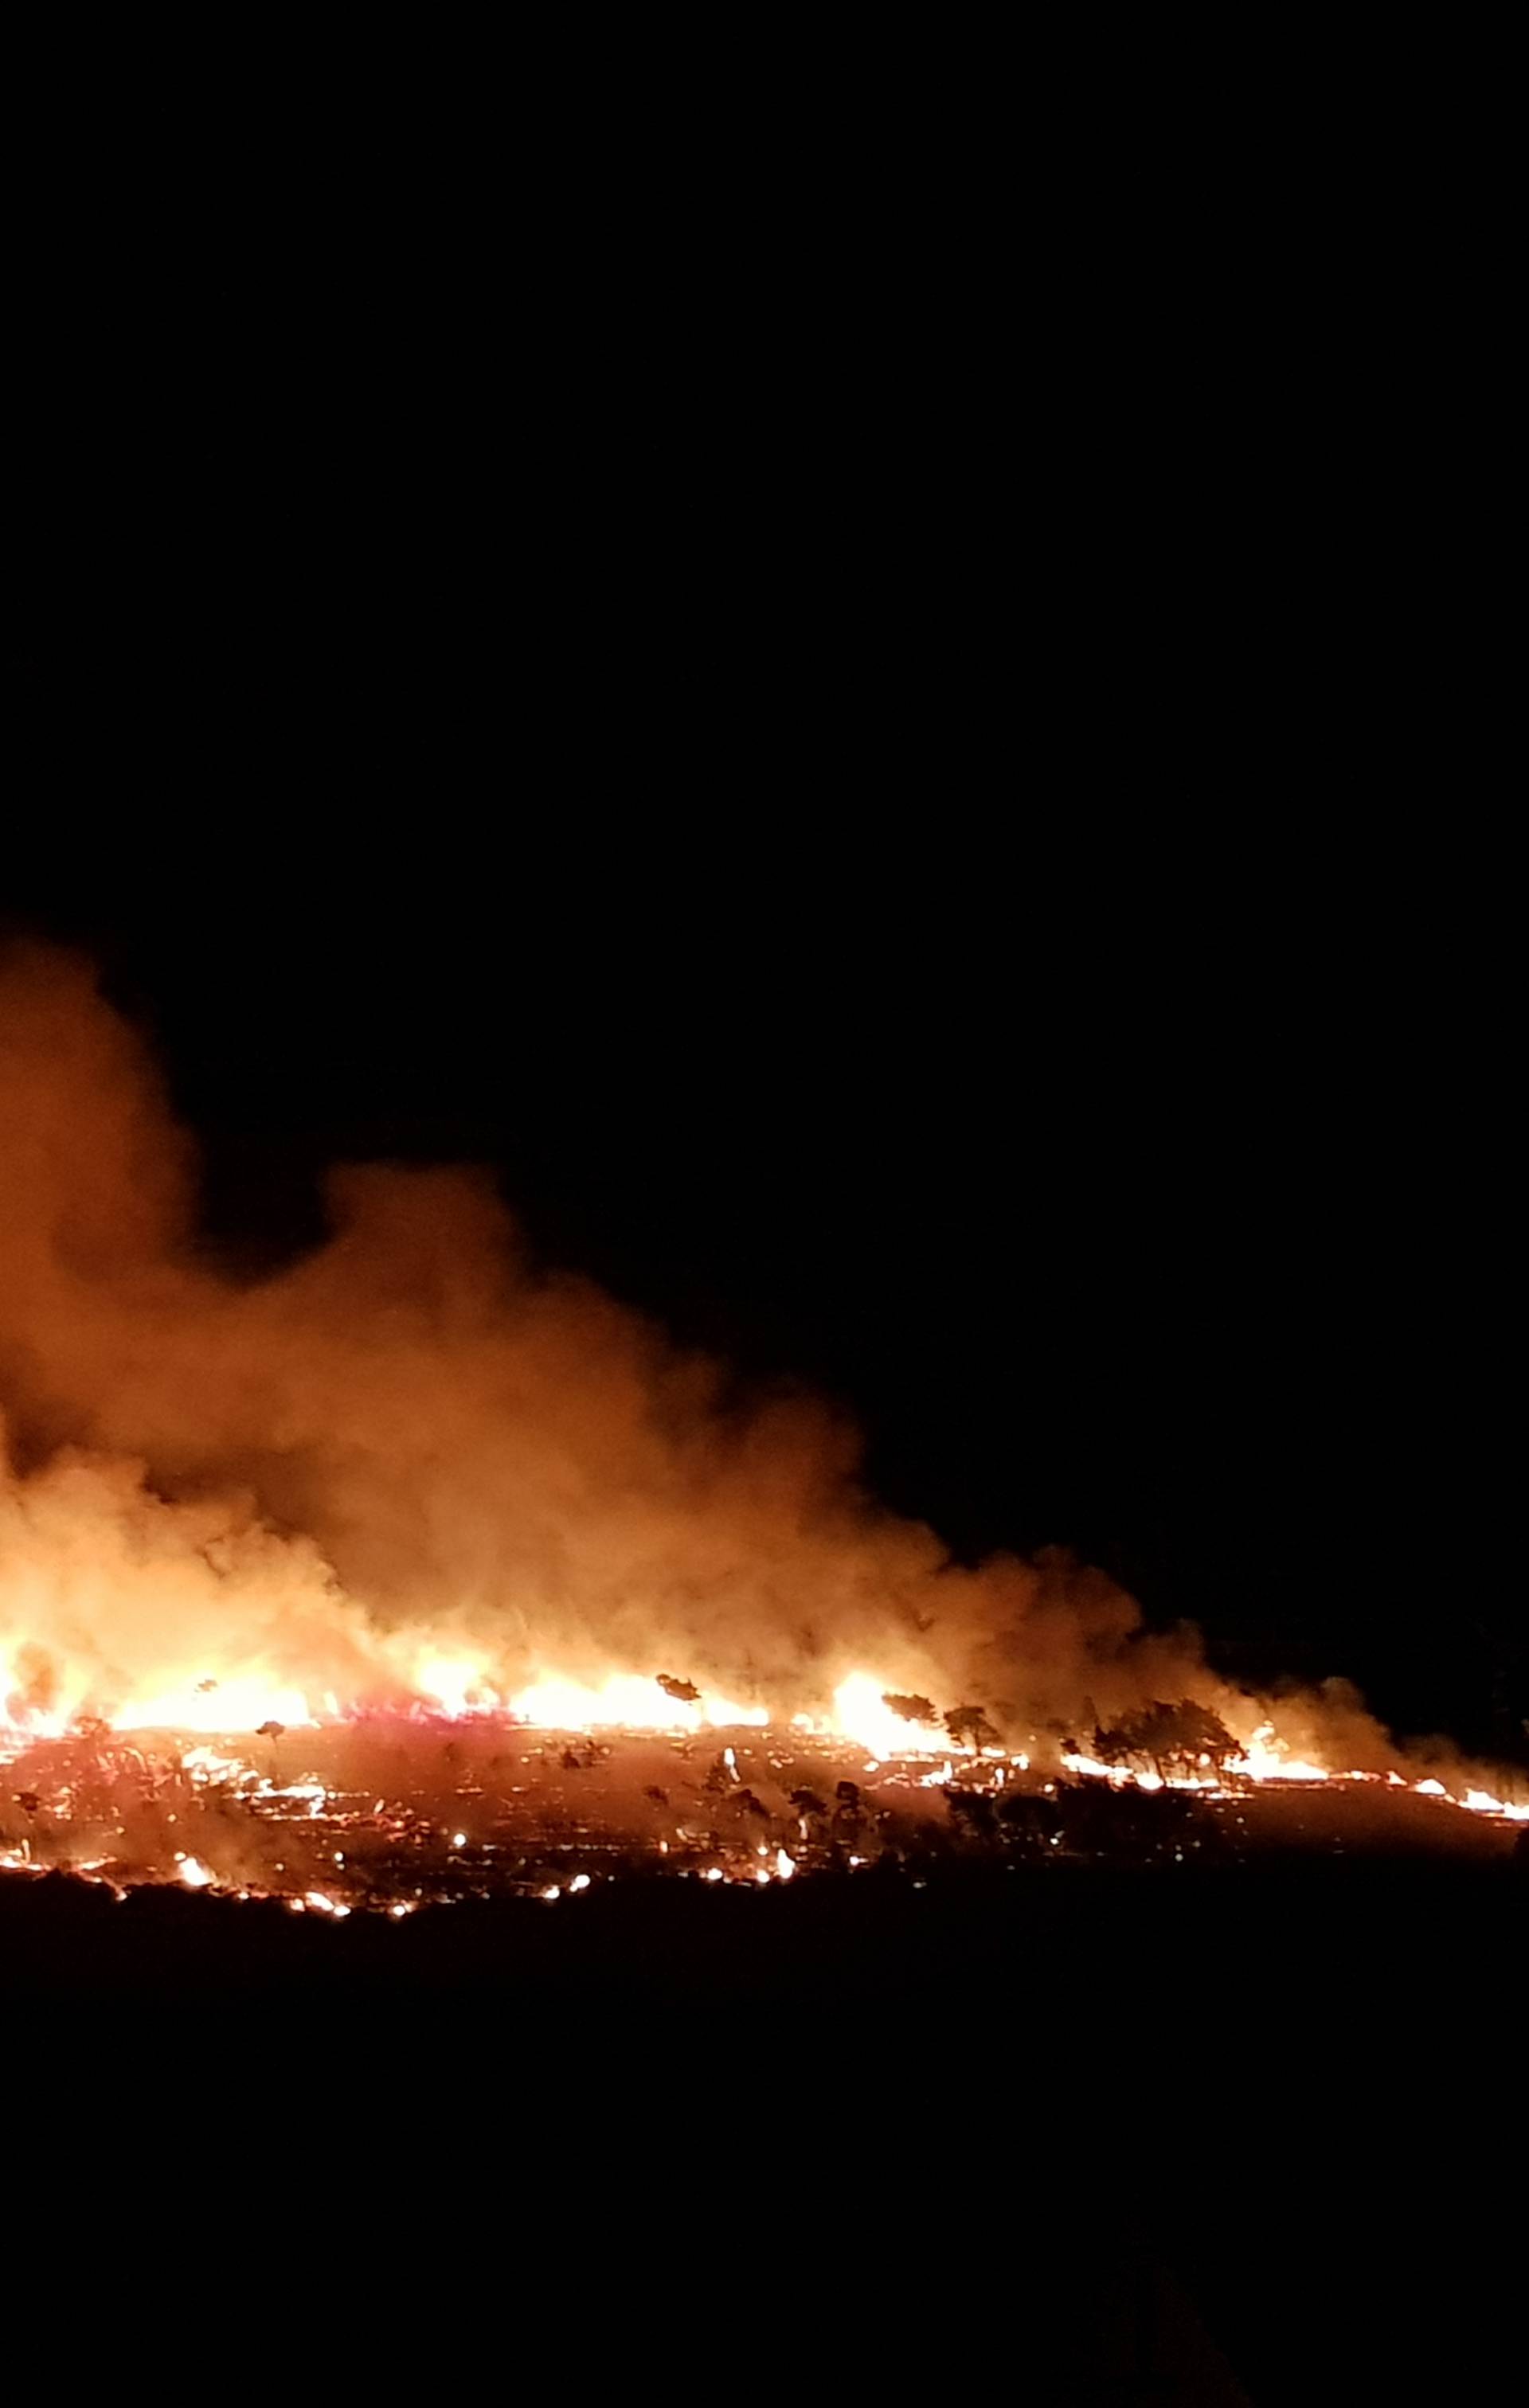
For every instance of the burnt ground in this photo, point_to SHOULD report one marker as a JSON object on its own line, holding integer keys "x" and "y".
{"x": 847, "y": 2130}
{"x": 399, "y": 1809}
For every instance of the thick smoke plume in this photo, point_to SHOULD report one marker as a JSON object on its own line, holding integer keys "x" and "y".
{"x": 414, "y": 1440}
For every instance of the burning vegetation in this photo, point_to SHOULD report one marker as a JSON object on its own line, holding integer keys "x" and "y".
{"x": 350, "y": 1584}
{"x": 392, "y": 1812}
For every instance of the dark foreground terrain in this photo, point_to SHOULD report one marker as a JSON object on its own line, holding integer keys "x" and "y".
{"x": 1053, "y": 2133}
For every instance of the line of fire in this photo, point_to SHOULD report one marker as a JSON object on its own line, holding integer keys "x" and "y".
{"x": 390, "y": 1813}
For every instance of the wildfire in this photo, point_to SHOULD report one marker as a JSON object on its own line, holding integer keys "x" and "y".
{"x": 861, "y": 1712}
{"x": 626, "y": 1702}
{"x": 555, "y": 1701}
{"x": 497, "y": 1791}
{"x": 218, "y": 1707}
{"x": 1265, "y": 1761}
{"x": 381, "y": 1580}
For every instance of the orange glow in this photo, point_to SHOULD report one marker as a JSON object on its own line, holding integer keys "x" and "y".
{"x": 395, "y": 1505}
{"x": 861, "y": 1712}
{"x": 625, "y": 1702}
{"x": 236, "y": 1705}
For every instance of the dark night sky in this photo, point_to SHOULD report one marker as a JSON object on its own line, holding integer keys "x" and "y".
{"x": 930, "y": 916}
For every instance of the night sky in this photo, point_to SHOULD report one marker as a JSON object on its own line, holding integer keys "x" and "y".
{"x": 964, "y": 974}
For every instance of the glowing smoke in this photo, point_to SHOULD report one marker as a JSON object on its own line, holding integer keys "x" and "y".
{"x": 412, "y": 1444}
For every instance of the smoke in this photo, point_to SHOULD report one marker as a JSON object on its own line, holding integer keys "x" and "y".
{"x": 414, "y": 1439}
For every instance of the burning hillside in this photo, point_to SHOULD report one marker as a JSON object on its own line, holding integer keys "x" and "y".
{"x": 411, "y": 1569}
{"x": 394, "y": 1812}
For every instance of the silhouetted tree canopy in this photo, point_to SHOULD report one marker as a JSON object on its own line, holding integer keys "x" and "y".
{"x": 912, "y": 1709}
{"x": 969, "y": 1726}
{"x": 1177, "y": 1740}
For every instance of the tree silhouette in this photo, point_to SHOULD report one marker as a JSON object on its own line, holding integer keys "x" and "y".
{"x": 910, "y": 1708}
{"x": 1176, "y": 1741}
{"x": 969, "y": 1726}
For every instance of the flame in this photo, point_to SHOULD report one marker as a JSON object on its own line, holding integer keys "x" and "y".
{"x": 625, "y": 1701}
{"x": 207, "y": 1766}
{"x": 1267, "y": 1759}
{"x": 454, "y": 1684}
{"x": 174, "y": 1771}
{"x": 1480, "y": 1801}
{"x": 862, "y": 1712}
{"x": 458, "y": 1686}
{"x": 217, "y": 1707}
